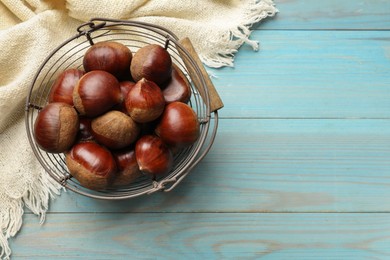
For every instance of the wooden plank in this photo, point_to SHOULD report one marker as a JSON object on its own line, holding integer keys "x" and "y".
{"x": 205, "y": 236}
{"x": 332, "y": 75}
{"x": 275, "y": 166}
{"x": 330, "y": 15}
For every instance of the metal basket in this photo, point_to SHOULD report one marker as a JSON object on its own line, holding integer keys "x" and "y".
{"x": 204, "y": 100}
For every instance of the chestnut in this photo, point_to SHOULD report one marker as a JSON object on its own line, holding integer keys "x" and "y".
{"x": 178, "y": 88}
{"x": 153, "y": 156}
{"x": 96, "y": 92}
{"x": 128, "y": 169}
{"x": 114, "y": 129}
{"x": 113, "y": 57}
{"x": 92, "y": 165}
{"x": 145, "y": 101}
{"x": 56, "y": 127}
{"x": 178, "y": 125}
{"x": 152, "y": 62}
{"x": 62, "y": 88}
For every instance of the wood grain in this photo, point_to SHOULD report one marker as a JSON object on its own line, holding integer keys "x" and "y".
{"x": 329, "y": 15}
{"x": 276, "y": 166}
{"x": 207, "y": 236}
{"x": 334, "y": 75}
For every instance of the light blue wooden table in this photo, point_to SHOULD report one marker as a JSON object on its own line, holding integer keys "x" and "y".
{"x": 300, "y": 168}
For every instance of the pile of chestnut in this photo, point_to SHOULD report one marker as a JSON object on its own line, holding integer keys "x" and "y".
{"x": 121, "y": 117}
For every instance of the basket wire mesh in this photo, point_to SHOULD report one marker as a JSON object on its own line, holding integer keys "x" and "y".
{"x": 134, "y": 35}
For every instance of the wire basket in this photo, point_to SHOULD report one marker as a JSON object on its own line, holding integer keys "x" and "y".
{"x": 204, "y": 100}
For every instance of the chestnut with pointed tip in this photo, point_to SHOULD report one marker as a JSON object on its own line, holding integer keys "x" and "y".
{"x": 128, "y": 169}
{"x": 114, "y": 129}
{"x": 96, "y": 92}
{"x": 113, "y": 57}
{"x": 152, "y": 62}
{"x": 56, "y": 127}
{"x": 92, "y": 165}
{"x": 62, "y": 88}
{"x": 145, "y": 101}
{"x": 178, "y": 125}
{"x": 153, "y": 155}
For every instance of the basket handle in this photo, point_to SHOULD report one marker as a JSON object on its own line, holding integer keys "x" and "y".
{"x": 215, "y": 100}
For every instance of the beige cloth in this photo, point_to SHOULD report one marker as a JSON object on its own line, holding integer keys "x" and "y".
{"x": 29, "y": 29}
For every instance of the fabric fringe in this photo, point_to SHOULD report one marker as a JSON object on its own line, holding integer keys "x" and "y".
{"x": 10, "y": 223}
{"x": 236, "y": 37}
{"x": 36, "y": 199}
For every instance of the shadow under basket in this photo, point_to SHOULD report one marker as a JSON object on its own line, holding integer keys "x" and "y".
{"x": 204, "y": 100}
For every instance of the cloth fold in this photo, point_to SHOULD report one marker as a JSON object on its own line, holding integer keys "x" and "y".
{"x": 30, "y": 29}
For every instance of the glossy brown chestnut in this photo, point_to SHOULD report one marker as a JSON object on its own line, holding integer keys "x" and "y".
{"x": 128, "y": 169}
{"x": 62, "y": 88}
{"x": 178, "y": 125}
{"x": 178, "y": 88}
{"x": 153, "y": 155}
{"x": 113, "y": 57}
{"x": 96, "y": 92}
{"x": 152, "y": 62}
{"x": 114, "y": 129}
{"x": 92, "y": 165}
{"x": 145, "y": 101}
{"x": 56, "y": 126}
